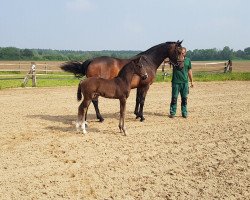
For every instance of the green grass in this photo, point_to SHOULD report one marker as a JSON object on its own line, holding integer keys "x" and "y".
{"x": 48, "y": 80}
{"x": 62, "y": 79}
{"x": 206, "y": 76}
{"x": 234, "y": 76}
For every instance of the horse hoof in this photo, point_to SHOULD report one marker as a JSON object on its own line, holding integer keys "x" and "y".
{"x": 137, "y": 116}
{"x": 142, "y": 119}
{"x": 84, "y": 131}
{"x": 101, "y": 119}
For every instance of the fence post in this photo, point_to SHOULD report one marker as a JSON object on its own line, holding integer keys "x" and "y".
{"x": 46, "y": 68}
{"x": 32, "y": 72}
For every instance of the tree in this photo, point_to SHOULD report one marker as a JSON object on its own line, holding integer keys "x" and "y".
{"x": 27, "y": 54}
{"x": 9, "y": 53}
{"x": 226, "y": 53}
{"x": 239, "y": 54}
{"x": 247, "y": 50}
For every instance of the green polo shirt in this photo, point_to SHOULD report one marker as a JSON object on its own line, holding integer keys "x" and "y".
{"x": 181, "y": 76}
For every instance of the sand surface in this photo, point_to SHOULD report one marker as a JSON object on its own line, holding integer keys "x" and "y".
{"x": 205, "y": 156}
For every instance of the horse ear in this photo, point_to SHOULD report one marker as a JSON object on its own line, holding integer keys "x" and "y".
{"x": 179, "y": 42}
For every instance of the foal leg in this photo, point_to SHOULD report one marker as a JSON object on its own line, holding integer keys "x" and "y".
{"x": 80, "y": 117}
{"x": 122, "y": 116}
{"x": 86, "y": 114}
{"x": 98, "y": 115}
{"x": 143, "y": 93}
{"x": 85, "y": 110}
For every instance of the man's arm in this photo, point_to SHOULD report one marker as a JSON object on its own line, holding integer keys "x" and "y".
{"x": 190, "y": 76}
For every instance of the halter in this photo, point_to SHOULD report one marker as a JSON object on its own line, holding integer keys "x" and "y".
{"x": 176, "y": 64}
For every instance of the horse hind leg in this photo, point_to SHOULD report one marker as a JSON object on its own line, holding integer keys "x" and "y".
{"x": 98, "y": 114}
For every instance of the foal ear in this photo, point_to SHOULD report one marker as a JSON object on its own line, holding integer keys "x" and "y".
{"x": 137, "y": 60}
{"x": 142, "y": 58}
{"x": 133, "y": 62}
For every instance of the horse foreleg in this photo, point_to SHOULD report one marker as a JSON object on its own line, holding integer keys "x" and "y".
{"x": 98, "y": 115}
{"x": 137, "y": 104}
{"x": 144, "y": 91}
{"x": 122, "y": 116}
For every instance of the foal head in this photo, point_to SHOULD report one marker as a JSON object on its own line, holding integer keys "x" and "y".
{"x": 138, "y": 67}
{"x": 175, "y": 56}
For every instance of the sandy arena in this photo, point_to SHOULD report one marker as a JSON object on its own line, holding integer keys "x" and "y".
{"x": 205, "y": 156}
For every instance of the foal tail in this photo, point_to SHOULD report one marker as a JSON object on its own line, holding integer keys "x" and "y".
{"x": 79, "y": 69}
{"x": 79, "y": 92}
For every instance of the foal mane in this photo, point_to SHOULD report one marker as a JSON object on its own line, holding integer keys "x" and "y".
{"x": 125, "y": 68}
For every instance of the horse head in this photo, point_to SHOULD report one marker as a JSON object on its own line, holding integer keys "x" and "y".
{"x": 176, "y": 58}
{"x": 139, "y": 69}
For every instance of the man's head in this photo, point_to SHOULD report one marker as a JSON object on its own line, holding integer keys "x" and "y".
{"x": 183, "y": 52}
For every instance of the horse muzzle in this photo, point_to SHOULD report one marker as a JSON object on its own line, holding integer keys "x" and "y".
{"x": 179, "y": 65}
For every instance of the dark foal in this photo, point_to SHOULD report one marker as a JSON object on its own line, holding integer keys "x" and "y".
{"x": 116, "y": 88}
{"x": 108, "y": 68}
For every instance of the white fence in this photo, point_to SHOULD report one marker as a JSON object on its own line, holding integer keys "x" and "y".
{"x": 25, "y": 67}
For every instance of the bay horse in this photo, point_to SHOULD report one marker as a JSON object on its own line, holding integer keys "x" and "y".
{"x": 116, "y": 88}
{"x": 109, "y": 67}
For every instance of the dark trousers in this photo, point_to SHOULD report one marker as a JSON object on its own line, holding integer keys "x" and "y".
{"x": 177, "y": 88}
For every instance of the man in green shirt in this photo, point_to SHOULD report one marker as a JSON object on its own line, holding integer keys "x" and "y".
{"x": 180, "y": 85}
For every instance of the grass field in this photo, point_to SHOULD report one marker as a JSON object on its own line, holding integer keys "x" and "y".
{"x": 50, "y": 75}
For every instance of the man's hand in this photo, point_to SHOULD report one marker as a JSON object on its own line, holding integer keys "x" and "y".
{"x": 192, "y": 84}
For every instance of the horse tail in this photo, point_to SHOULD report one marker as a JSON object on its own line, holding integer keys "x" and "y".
{"x": 79, "y": 69}
{"x": 79, "y": 92}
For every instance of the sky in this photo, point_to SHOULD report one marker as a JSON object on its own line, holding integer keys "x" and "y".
{"x": 94, "y": 25}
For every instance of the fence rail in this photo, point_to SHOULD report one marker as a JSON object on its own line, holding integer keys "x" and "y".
{"x": 45, "y": 68}
{"x": 25, "y": 66}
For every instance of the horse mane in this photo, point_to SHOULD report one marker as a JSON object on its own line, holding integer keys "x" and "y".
{"x": 148, "y": 51}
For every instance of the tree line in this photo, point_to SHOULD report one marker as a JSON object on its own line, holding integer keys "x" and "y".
{"x": 17, "y": 54}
